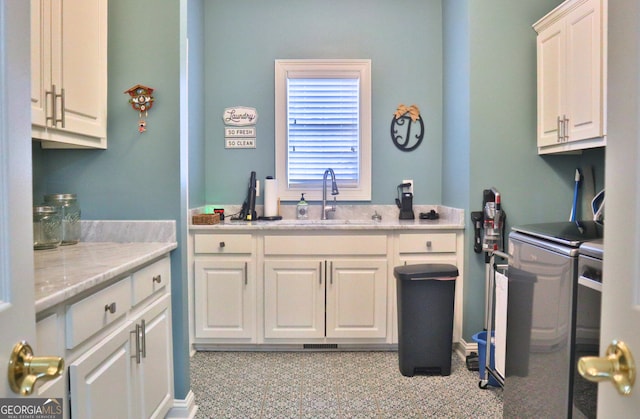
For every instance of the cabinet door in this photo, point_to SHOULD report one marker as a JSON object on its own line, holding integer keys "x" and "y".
{"x": 100, "y": 381}
{"x": 357, "y": 298}
{"x": 294, "y": 295}
{"x": 551, "y": 85}
{"x": 225, "y": 299}
{"x": 40, "y": 59}
{"x": 584, "y": 95}
{"x": 69, "y": 72}
{"x": 155, "y": 380}
{"x": 571, "y": 67}
{"x": 84, "y": 66}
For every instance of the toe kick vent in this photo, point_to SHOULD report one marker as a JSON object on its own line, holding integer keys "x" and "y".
{"x": 320, "y": 346}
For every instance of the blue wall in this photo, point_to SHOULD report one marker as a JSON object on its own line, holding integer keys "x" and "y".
{"x": 195, "y": 104}
{"x": 403, "y": 39}
{"x": 490, "y": 127}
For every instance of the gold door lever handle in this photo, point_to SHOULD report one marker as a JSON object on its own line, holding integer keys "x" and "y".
{"x": 25, "y": 369}
{"x": 617, "y": 366}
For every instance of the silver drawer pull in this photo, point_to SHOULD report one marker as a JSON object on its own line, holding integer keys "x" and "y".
{"x": 428, "y": 243}
{"x": 157, "y": 278}
{"x": 222, "y": 244}
{"x": 111, "y": 308}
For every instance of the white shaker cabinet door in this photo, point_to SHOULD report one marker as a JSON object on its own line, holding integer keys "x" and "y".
{"x": 294, "y": 298}
{"x": 225, "y": 299}
{"x": 551, "y": 83}
{"x": 155, "y": 380}
{"x": 100, "y": 381}
{"x": 357, "y": 298}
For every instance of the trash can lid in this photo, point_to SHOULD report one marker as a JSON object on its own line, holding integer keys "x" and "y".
{"x": 426, "y": 271}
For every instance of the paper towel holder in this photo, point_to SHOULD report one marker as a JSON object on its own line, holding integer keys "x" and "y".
{"x": 269, "y": 217}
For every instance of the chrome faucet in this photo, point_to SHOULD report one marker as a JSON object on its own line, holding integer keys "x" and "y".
{"x": 334, "y": 191}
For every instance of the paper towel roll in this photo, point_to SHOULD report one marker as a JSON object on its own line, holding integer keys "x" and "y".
{"x": 270, "y": 197}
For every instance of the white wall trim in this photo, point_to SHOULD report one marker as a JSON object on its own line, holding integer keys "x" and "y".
{"x": 184, "y": 408}
{"x": 464, "y": 348}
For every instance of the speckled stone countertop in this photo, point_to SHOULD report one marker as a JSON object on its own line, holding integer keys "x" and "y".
{"x": 346, "y": 217}
{"x": 107, "y": 249}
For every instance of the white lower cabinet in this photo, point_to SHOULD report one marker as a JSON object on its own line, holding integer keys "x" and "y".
{"x": 311, "y": 298}
{"x": 225, "y": 299}
{"x": 118, "y": 347}
{"x": 225, "y": 288}
{"x": 277, "y": 287}
{"x": 341, "y": 296}
{"x": 128, "y": 374}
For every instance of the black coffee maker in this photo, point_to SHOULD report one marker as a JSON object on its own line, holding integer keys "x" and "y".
{"x": 404, "y": 201}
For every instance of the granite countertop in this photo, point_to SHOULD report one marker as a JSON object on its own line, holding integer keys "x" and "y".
{"x": 347, "y": 217}
{"x": 67, "y": 271}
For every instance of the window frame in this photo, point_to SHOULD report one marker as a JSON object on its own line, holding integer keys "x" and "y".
{"x": 317, "y": 68}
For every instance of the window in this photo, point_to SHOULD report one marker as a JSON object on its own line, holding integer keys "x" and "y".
{"x": 323, "y": 120}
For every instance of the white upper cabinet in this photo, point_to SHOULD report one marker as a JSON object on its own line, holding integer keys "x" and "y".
{"x": 571, "y": 71}
{"x": 69, "y": 73}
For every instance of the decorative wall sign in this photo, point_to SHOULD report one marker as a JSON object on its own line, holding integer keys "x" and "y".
{"x": 239, "y": 143}
{"x": 240, "y": 116}
{"x": 404, "y": 119}
{"x": 230, "y": 132}
{"x": 141, "y": 101}
{"x": 240, "y": 134}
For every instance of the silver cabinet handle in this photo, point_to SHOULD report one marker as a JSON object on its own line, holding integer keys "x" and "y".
{"x": 157, "y": 278}
{"x": 566, "y": 128}
{"x": 246, "y": 274}
{"x": 111, "y": 308}
{"x": 320, "y": 270}
{"x": 562, "y": 128}
{"x": 62, "y": 113}
{"x": 558, "y": 137}
{"x": 51, "y": 93}
{"x": 331, "y": 273}
{"x": 143, "y": 337}
{"x": 137, "y": 340}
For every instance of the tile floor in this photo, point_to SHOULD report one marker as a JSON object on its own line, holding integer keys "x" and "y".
{"x": 333, "y": 385}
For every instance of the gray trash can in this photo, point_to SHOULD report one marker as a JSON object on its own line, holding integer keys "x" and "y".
{"x": 426, "y": 294}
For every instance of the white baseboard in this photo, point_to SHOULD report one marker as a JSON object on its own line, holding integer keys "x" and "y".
{"x": 184, "y": 408}
{"x": 464, "y": 348}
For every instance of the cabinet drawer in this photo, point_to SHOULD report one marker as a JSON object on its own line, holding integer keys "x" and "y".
{"x": 325, "y": 245}
{"x": 427, "y": 243}
{"x": 47, "y": 335}
{"x": 150, "y": 279}
{"x": 223, "y": 243}
{"x": 91, "y": 314}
